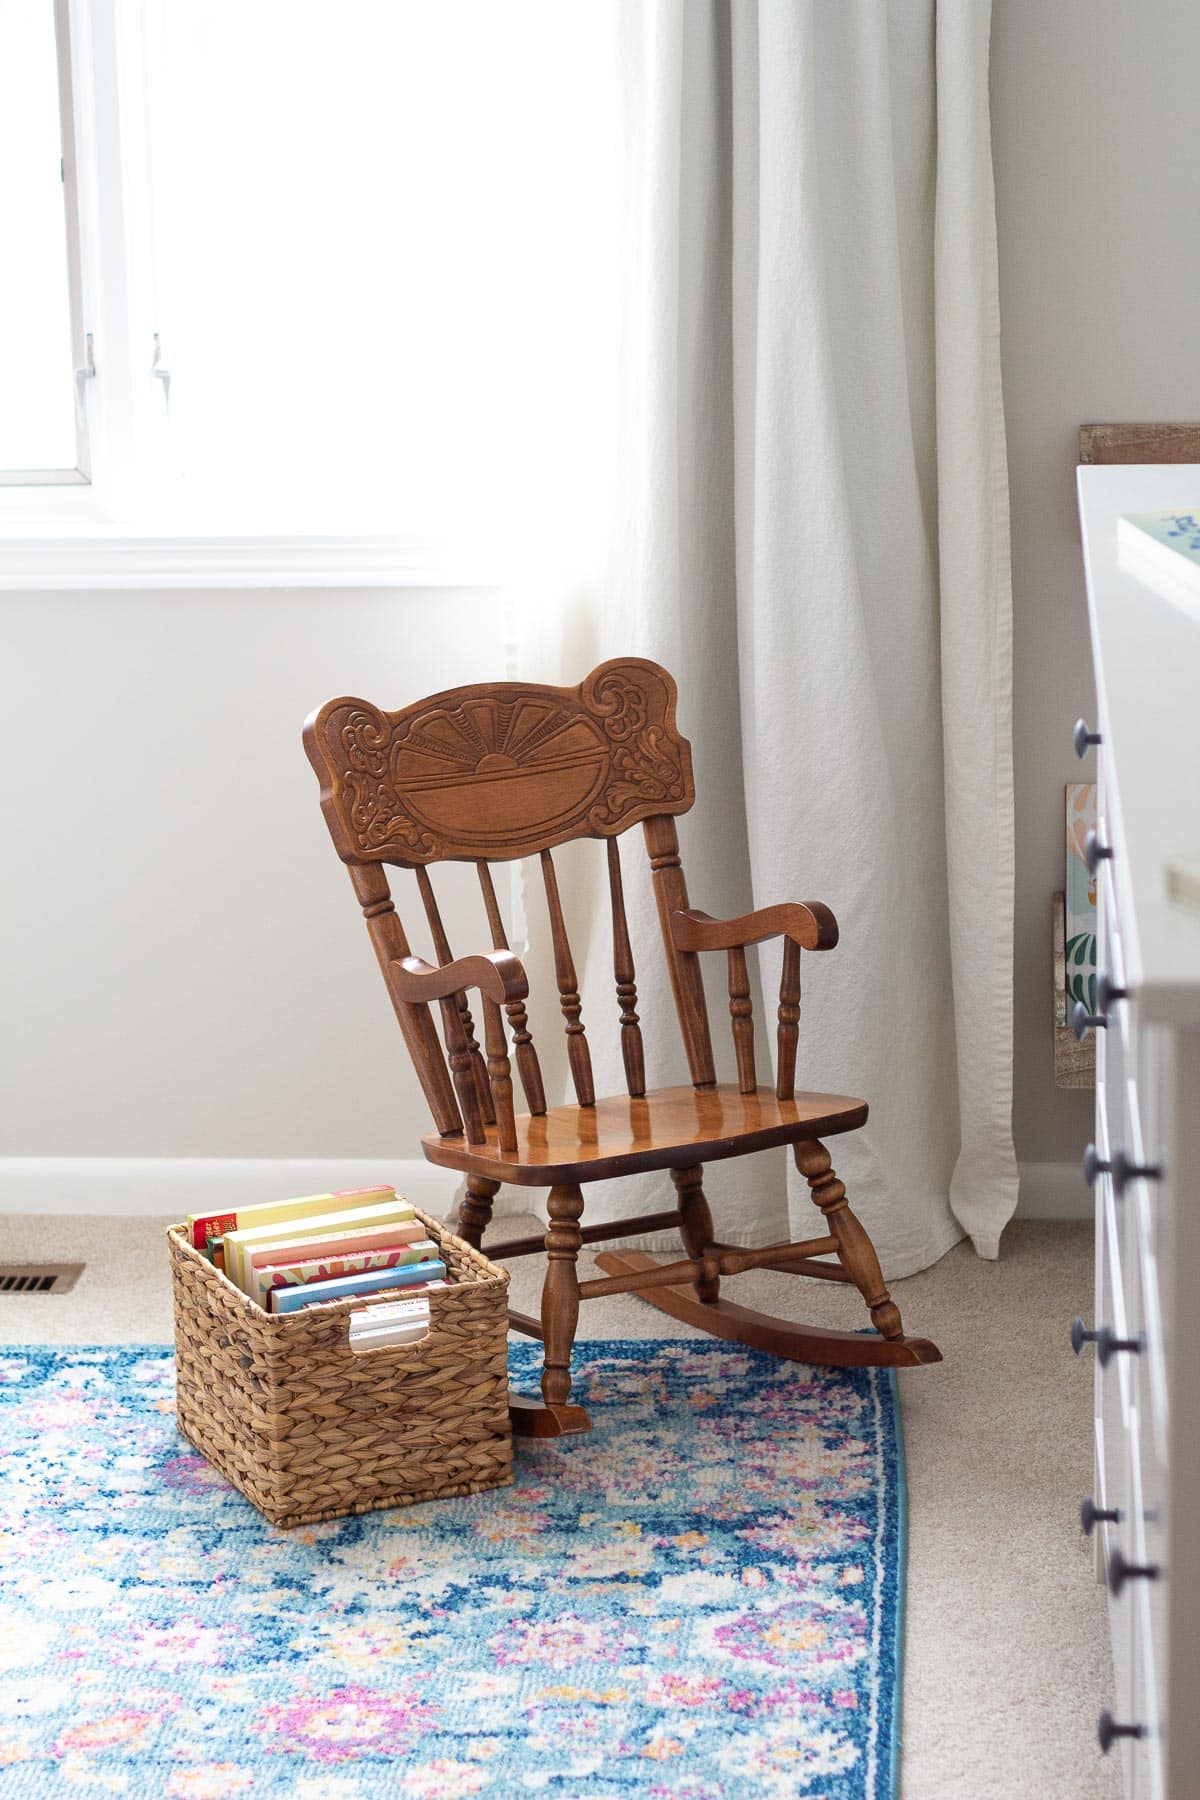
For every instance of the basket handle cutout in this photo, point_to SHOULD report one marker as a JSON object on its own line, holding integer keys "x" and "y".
{"x": 367, "y": 1343}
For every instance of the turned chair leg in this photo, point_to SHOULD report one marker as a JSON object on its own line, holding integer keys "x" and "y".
{"x": 695, "y": 1225}
{"x": 856, "y": 1252}
{"x": 560, "y": 1292}
{"x": 475, "y": 1209}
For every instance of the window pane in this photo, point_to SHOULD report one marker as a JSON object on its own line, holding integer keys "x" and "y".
{"x": 37, "y": 417}
{"x": 365, "y": 214}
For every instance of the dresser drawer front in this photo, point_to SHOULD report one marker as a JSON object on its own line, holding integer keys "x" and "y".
{"x": 1111, "y": 1386}
{"x": 1145, "y": 1600}
{"x": 1150, "y": 1393}
{"x": 1124, "y": 1621}
{"x": 1113, "y": 1380}
{"x": 1149, "y": 1501}
{"x": 1114, "y": 1044}
{"x": 1154, "y": 1209}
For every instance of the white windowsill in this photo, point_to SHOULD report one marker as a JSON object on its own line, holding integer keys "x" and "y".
{"x": 95, "y": 557}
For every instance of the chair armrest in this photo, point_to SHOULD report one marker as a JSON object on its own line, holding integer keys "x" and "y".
{"x": 499, "y": 976}
{"x": 809, "y": 925}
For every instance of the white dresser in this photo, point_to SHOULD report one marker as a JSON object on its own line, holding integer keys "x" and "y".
{"x": 1145, "y": 1163}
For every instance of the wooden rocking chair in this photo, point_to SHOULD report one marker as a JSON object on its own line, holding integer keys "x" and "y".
{"x": 509, "y": 769}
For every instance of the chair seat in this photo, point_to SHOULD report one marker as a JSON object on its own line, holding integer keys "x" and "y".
{"x": 670, "y": 1128}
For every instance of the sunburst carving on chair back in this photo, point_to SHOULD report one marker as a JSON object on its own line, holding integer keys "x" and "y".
{"x": 503, "y": 770}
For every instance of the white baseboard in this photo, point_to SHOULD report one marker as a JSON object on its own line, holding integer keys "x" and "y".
{"x": 163, "y": 1187}
{"x": 1052, "y": 1190}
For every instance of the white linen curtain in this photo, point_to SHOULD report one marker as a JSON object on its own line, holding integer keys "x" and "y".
{"x": 807, "y": 523}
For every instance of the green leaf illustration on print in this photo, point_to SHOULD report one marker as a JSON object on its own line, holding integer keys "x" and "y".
{"x": 1081, "y": 969}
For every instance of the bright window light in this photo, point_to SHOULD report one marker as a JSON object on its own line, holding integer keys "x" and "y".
{"x": 37, "y": 413}
{"x": 348, "y": 268}
{"x": 379, "y": 235}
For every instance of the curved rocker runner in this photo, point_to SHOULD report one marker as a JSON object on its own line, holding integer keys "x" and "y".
{"x": 505, "y": 770}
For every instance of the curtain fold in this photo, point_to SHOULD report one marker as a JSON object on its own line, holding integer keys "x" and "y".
{"x": 976, "y": 623}
{"x": 807, "y": 524}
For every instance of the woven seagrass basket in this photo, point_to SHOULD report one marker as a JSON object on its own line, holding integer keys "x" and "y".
{"x": 309, "y": 1429}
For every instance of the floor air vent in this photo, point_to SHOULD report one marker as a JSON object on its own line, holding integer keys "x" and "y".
{"x": 38, "y": 1278}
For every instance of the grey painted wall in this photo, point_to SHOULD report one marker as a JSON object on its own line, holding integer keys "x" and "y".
{"x": 1097, "y": 160}
{"x": 179, "y": 936}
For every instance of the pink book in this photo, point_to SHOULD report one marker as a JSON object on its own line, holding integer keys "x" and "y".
{"x": 267, "y": 1276}
{"x": 324, "y": 1244}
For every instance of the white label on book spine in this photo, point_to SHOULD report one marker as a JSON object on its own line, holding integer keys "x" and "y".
{"x": 396, "y": 1333}
{"x": 394, "y": 1309}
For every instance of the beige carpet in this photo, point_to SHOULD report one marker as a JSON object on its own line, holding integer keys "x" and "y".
{"x": 1006, "y": 1658}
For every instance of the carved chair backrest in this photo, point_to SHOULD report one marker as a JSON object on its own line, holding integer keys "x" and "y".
{"x": 509, "y": 769}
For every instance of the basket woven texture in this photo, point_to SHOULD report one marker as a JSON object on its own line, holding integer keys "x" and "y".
{"x": 309, "y": 1429}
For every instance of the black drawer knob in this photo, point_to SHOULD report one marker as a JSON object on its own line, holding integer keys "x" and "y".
{"x": 1105, "y": 1339}
{"x": 1120, "y": 1571}
{"x": 1108, "y": 993}
{"x": 1082, "y": 1021}
{"x": 1083, "y": 738}
{"x": 1081, "y": 1335}
{"x": 1091, "y": 1515}
{"x": 1107, "y": 1345}
{"x": 1108, "y": 1731}
{"x": 1124, "y": 1171}
{"x": 1094, "y": 852}
{"x": 1094, "y": 1165}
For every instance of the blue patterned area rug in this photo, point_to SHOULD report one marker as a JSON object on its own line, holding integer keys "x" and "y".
{"x": 699, "y": 1600}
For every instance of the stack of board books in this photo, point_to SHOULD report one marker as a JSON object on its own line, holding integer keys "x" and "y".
{"x": 288, "y": 1255}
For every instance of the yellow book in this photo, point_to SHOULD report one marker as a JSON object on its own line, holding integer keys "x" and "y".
{"x": 387, "y": 1212}
{"x": 207, "y": 1229}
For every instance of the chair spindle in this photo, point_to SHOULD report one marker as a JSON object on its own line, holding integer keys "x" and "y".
{"x": 789, "y": 1020}
{"x": 499, "y": 1074}
{"x": 624, "y": 974}
{"x": 441, "y": 945}
{"x": 462, "y": 1070}
{"x": 391, "y": 945}
{"x": 528, "y": 1067}
{"x": 578, "y": 1054}
{"x": 741, "y": 1013}
{"x": 670, "y": 891}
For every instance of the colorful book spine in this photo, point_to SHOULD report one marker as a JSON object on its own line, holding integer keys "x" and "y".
{"x": 326, "y": 1233}
{"x": 314, "y": 1293}
{"x": 285, "y": 1252}
{"x": 330, "y": 1268}
{"x": 203, "y": 1227}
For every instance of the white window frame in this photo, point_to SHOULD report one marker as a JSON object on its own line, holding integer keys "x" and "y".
{"x": 109, "y": 271}
{"x": 80, "y": 475}
{"x": 86, "y": 528}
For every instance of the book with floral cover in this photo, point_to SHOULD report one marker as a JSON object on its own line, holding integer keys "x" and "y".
{"x": 286, "y": 1234}
{"x": 264, "y": 1278}
{"x": 351, "y": 1241}
{"x": 313, "y": 1293}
